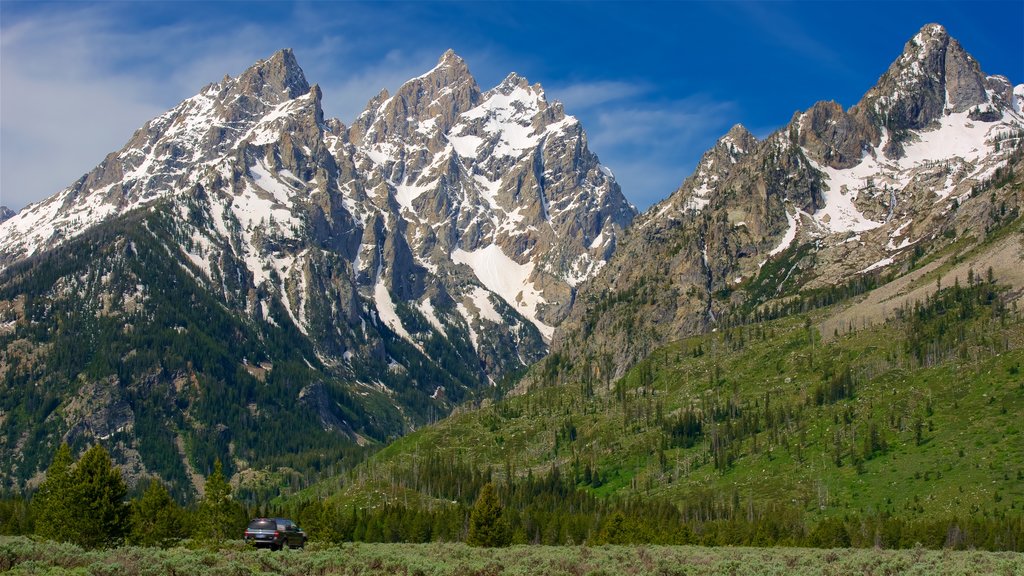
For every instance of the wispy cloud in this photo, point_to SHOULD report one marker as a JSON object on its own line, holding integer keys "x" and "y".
{"x": 345, "y": 97}
{"x": 75, "y": 86}
{"x": 788, "y": 32}
{"x": 584, "y": 95}
{"x": 653, "y": 146}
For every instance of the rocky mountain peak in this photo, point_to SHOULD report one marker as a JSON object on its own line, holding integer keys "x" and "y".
{"x": 421, "y": 108}
{"x": 513, "y": 81}
{"x": 450, "y": 58}
{"x": 738, "y": 140}
{"x": 450, "y": 69}
{"x": 713, "y": 169}
{"x": 831, "y": 196}
{"x": 933, "y": 76}
{"x": 274, "y": 80}
{"x": 5, "y": 213}
{"x": 424, "y": 253}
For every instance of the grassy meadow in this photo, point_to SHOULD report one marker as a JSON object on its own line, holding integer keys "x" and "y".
{"x": 22, "y": 556}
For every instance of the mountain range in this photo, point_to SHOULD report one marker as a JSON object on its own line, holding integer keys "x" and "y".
{"x": 249, "y": 281}
{"x": 374, "y": 275}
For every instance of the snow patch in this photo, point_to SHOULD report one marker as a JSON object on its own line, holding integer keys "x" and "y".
{"x": 482, "y": 300}
{"x": 426, "y": 307}
{"x": 880, "y": 264}
{"x": 386, "y": 310}
{"x": 788, "y": 237}
{"x": 508, "y": 279}
{"x": 841, "y": 189}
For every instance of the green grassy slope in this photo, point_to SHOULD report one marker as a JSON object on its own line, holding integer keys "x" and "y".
{"x": 918, "y": 418}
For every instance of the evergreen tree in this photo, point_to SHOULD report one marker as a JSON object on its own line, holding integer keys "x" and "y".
{"x": 84, "y": 503}
{"x": 157, "y": 520}
{"x": 487, "y": 526}
{"x": 217, "y": 513}
{"x": 99, "y": 500}
{"x": 51, "y": 502}
{"x": 614, "y": 530}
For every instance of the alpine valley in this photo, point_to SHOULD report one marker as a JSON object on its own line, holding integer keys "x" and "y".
{"x": 822, "y": 323}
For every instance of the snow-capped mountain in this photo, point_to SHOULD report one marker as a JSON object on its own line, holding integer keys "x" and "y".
{"x": 833, "y": 196}
{"x": 425, "y": 251}
{"x": 501, "y": 182}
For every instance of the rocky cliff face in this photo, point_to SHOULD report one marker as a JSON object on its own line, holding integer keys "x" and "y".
{"x": 833, "y": 197}
{"x": 424, "y": 252}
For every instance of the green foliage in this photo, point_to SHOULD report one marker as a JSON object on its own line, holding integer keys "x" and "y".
{"x": 16, "y": 516}
{"x": 98, "y": 500}
{"x": 218, "y": 517}
{"x": 24, "y": 556}
{"x": 53, "y": 499}
{"x": 84, "y": 504}
{"x": 156, "y": 519}
{"x": 756, "y": 434}
{"x": 105, "y": 312}
{"x": 487, "y": 525}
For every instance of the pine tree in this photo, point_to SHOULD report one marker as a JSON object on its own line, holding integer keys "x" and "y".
{"x": 614, "y": 530}
{"x": 51, "y": 502}
{"x": 84, "y": 503}
{"x": 157, "y": 520}
{"x": 99, "y": 500}
{"x": 217, "y": 511}
{"x": 487, "y": 526}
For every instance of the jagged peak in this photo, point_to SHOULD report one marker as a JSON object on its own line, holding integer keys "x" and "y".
{"x": 450, "y": 58}
{"x": 280, "y": 73}
{"x": 925, "y": 47}
{"x": 737, "y": 141}
{"x": 934, "y": 75}
{"x": 929, "y": 31}
{"x": 738, "y": 133}
{"x": 450, "y": 69}
{"x": 514, "y": 81}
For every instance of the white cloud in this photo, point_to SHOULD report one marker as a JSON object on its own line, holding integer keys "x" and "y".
{"x": 346, "y": 97}
{"x": 75, "y": 87}
{"x": 584, "y": 95}
{"x": 654, "y": 146}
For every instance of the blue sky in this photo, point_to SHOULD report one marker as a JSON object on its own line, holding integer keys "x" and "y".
{"x": 654, "y": 83}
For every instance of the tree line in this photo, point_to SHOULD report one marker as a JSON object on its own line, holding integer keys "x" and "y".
{"x": 86, "y": 503}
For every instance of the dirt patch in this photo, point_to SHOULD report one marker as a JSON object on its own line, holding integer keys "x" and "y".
{"x": 1006, "y": 260}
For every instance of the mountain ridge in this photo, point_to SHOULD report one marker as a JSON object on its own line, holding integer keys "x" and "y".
{"x": 867, "y": 187}
{"x": 415, "y": 265}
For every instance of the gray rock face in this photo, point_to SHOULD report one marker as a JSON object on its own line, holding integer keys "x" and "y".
{"x": 501, "y": 182}
{"x": 6, "y": 213}
{"x": 932, "y": 76}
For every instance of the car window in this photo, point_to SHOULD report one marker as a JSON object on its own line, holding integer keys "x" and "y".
{"x": 262, "y": 524}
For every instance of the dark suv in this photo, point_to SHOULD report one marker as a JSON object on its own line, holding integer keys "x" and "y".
{"x": 274, "y": 533}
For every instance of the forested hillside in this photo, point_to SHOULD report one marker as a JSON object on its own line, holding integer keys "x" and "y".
{"x": 900, "y": 432}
